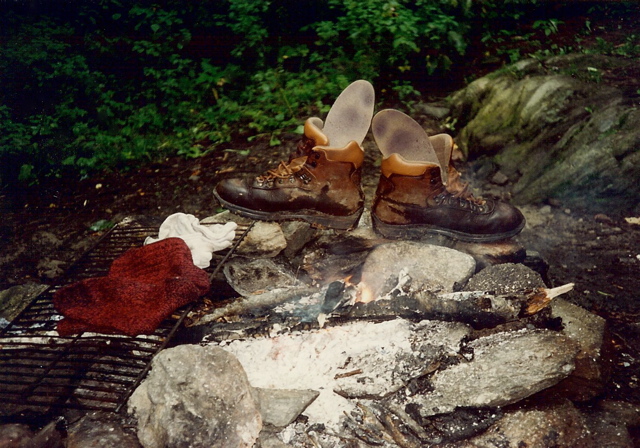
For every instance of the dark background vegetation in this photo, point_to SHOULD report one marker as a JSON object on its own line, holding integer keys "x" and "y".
{"x": 110, "y": 85}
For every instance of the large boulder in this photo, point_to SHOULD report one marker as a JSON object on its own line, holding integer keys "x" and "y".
{"x": 196, "y": 396}
{"x": 565, "y": 128}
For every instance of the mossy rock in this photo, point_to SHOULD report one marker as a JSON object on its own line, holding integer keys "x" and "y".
{"x": 561, "y": 127}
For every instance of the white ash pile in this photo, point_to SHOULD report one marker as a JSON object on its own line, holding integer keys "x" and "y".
{"x": 350, "y": 340}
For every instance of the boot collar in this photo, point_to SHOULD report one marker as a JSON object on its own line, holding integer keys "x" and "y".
{"x": 397, "y": 133}
{"x": 352, "y": 152}
{"x": 313, "y": 130}
{"x": 396, "y": 164}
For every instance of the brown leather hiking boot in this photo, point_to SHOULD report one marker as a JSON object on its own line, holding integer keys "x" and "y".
{"x": 320, "y": 183}
{"x": 322, "y": 188}
{"x": 420, "y": 192}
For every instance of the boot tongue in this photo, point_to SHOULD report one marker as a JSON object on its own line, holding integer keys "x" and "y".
{"x": 443, "y": 146}
{"x": 396, "y": 132}
{"x": 350, "y": 115}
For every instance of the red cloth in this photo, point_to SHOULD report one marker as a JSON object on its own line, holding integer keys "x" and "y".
{"x": 144, "y": 286}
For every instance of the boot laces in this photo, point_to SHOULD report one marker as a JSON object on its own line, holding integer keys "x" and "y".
{"x": 460, "y": 191}
{"x": 304, "y": 148}
{"x": 284, "y": 170}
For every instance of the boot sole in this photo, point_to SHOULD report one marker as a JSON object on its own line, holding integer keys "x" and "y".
{"x": 313, "y": 217}
{"x": 417, "y": 231}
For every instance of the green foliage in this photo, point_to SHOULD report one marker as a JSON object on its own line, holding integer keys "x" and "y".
{"x": 247, "y": 19}
{"x": 101, "y": 225}
{"x": 549, "y": 26}
{"x": 629, "y": 48}
{"x": 107, "y": 84}
{"x": 48, "y": 86}
{"x": 380, "y": 36}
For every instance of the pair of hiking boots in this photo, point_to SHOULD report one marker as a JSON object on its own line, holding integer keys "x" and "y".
{"x": 419, "y": 192}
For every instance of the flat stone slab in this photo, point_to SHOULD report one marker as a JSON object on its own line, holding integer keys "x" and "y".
{"x": 505, "y": 368}
{"x": 249, "y": 276}
{"x": 589, "y": 331}
{"x": 280, "y": 407}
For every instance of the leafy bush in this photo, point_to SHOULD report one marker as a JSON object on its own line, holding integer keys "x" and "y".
{"x": 107, "y": 85}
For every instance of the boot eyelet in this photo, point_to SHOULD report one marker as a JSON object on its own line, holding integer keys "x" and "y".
{"x": 317, "y": 155}
{"x": 305, "y": 178}
{"x": 314, "y": 164}
{"x": 292, "y": 179}
{"x": 280, "y": 181}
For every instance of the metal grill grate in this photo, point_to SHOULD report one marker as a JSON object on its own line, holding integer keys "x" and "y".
{"x": 42, "y": 372}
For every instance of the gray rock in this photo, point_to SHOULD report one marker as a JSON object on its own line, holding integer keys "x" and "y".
{"x": 297, "y": 234}
{"x": 15, "y": 435}
{"x": 196, "y": 396}
{"x": 365, "y": 225}
{"x": 280, "y": 407}
{"x": 16, "y": 298}
{"x": 257, "y": 275}
{"x": 99, "y": 429}
{"x": 627, "y": 414}
{"x": 427, "y": 267}
{"x": 610, "y": 422}
{"x": 588, "y": 331}
{"x": 270, "y": 440}
{"x": 265, "y": 239}
{"x": 549, "y": 124}
{"x": 506, "y": 368}
{"x": 499, "y": 178}
{"x": 505, "y": 278}
{"x": 558, "y": 425}
{"x": 437, "y": 112}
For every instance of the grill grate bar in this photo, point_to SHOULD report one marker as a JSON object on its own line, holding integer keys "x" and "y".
{"x": 43, "y": 372}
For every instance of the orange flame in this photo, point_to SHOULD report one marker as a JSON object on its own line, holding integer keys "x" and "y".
{"x": 364, "y": 294}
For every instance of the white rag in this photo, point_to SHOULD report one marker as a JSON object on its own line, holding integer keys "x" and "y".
{"x": 202, "y": 240}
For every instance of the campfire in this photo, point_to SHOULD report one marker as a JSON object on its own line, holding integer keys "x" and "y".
{"x": 323, "y": 339}
{"x": 353, "y": 340}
